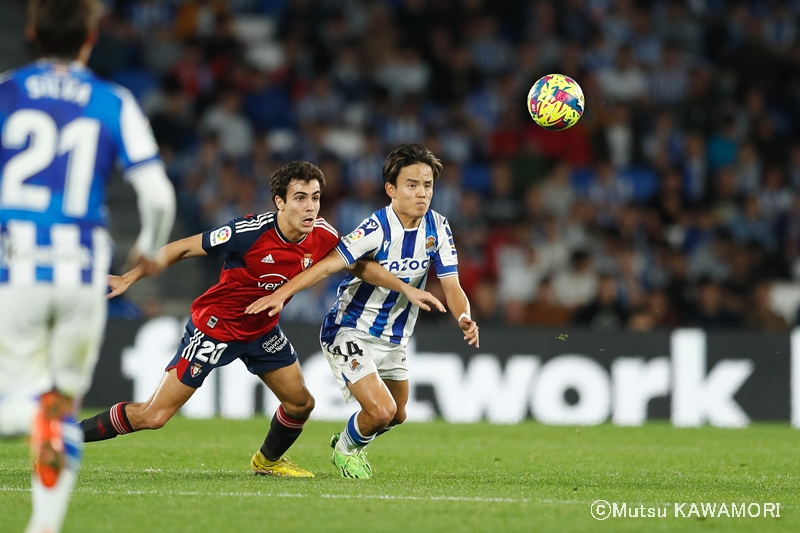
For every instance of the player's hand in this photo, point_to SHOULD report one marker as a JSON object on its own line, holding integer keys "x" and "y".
{"x": 118, "y": 285}
{"x": 422, "y": 298}
{"x": 470, "y": 329}
{"x": 271, "y": 302}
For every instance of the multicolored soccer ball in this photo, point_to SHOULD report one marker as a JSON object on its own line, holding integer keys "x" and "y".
{"x": 556, "y": 102}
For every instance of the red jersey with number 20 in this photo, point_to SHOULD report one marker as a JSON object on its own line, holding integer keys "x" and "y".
{"x": 258, "y": 260}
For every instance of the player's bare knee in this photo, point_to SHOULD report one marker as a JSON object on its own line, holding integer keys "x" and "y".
{"x": 386, "y": 418}
{"x": 310, "y": 404}
{"x": 382, "y": 415}
{"x": 300, "y": 408}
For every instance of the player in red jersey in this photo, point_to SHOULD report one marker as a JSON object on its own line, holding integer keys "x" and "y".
{"x": 261, "y": 253}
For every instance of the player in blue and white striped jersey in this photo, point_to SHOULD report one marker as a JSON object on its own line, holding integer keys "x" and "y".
{"x": 406, "y": 252}
{"x": 365, "y": 333}
{"x": 62, "y": 132}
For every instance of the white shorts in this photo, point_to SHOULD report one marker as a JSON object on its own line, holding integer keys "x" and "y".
{"x": 50, "y": 337}
{"x": 354, "y": 354}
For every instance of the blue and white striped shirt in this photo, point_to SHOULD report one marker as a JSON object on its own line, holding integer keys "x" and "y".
{"x": 406, "y": 253}
{"x": 62, "y": 132}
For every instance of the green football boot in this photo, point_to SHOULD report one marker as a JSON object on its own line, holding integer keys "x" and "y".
{"x": 354, "y": 466}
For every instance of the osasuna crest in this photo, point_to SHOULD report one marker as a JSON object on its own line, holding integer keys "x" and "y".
{"x": 306, "y": 261}
{"x": 196, "y": 369}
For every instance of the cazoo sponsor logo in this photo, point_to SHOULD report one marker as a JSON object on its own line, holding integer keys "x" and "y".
{"x": 404, "y": 265}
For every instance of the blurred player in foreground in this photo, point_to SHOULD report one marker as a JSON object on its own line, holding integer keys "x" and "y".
{"x": 261, "y": 253}
{"x": 364, "y": 336}
{"x": 63, "y": 131}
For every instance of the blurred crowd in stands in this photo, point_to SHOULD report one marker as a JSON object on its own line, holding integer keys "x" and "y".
{"x": 674, "y": 201}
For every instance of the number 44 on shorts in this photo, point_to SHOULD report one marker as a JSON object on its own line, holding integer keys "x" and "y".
{"x": 352, "y": 350}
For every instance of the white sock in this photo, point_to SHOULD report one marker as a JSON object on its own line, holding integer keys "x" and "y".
{"x": 16, "y": 415}
{"x": 50, "y": 504}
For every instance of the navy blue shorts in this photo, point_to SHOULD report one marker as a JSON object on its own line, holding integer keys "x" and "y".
{"x": 199, "y": 354}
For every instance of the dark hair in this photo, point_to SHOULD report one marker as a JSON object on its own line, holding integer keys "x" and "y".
{"x": 406, "y": 155}
{"x": 61, "y": 27}
{"x": 302, "y": 171}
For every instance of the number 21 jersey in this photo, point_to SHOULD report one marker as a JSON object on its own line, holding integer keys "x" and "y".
{"x": 62, "y": 131}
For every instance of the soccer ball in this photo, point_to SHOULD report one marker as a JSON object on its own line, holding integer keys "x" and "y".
{"x": 556, "y": 102}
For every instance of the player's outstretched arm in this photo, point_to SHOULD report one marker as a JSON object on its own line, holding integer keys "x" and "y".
{"x": 273, "y": 303}
{"x": 168, "y": 255}
{"x": 459, "y": 305}
{"x": 369, "y": 271}
{"x": 375, "y": 274}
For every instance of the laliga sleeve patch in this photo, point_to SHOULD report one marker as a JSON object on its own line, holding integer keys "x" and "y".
{"x": 220, "y": 235}
{"x": 348, "y": 240}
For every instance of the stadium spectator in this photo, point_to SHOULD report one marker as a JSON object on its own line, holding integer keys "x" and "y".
{"x": 696, "y": 183}
{"x": 557, "y": 192}
{"x": 576, "y": 286}
{"x": 449, "y": 194}
{"x": 519, "y": 273}
{"x": 641, "y": 319}
{"x": 723, "y": 145}
{"x": 725, "y": 203}
{"x": 748, "y": 225}
{"x": 663, "y": 143}
{"x": 608, "y": 193}
{"x": 670, "y": 77}
{"x": 503, "y": 205}
{"x": 619, "y": 140}
{"x": 775, "y": 198}
{"x": 738, "y": 286}
{"x": 645, "y": 43}
{"x": 658, "y": 307}
{"x": 545, "y": 310}
{"x": 552, "y": 251}
{"x": 226, "y": 121}
{"x": 604, "y": 312}
{"x": 625, "y": 81}
{"x": 708, "y": 311}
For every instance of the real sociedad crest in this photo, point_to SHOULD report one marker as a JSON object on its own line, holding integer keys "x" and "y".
{"x": 430, "y": 246}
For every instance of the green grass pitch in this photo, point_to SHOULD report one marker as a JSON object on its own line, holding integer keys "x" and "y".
{"x": 194, "y": 476}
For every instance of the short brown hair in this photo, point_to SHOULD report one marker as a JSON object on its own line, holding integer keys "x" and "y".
{"x": 302, "y": 171}
{"x": 406, "y": 155}
{"x": 61, "y": 27}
